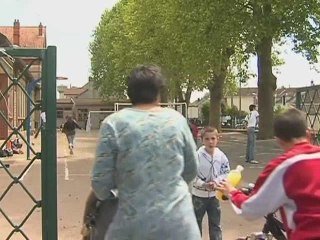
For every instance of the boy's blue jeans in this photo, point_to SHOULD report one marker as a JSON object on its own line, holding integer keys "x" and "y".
{"x": 71, "y": 139}
{"x": 251, "y": 144}
{"x": 213, "y": 209}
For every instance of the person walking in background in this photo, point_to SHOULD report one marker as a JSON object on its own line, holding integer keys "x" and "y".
{"x": 69, "y": 128}
{"x": 148, "y": 153}
{"x": 253, "y": 121}
{"x": 213, "y": 168}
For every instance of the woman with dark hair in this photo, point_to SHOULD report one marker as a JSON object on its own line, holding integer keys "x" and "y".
{"x": 148, "y": 153}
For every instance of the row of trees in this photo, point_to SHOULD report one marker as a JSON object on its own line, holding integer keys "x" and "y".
{"x": 202, "y": 45}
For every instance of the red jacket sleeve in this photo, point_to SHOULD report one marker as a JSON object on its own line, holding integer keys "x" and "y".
{"x": 238, "y": 198}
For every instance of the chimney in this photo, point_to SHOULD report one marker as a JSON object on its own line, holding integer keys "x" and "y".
{"x": 16, "y": 32}
{"x": 40, "y": 29}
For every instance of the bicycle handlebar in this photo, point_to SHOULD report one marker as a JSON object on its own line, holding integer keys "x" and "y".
{"x": 247, "y": 190}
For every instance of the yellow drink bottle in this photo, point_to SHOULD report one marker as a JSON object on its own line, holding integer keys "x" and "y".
{"x": 234, "y": 178}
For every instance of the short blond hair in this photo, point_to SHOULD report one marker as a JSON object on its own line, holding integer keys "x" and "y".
{"x": 208, "y": 130}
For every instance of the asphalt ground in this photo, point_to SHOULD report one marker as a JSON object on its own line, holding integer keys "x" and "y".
{"x": 74, "y": 184}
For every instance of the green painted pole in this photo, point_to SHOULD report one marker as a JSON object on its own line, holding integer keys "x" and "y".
{"x": 49, "y": 147}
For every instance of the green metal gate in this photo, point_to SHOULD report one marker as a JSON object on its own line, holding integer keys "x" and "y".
{"x": 308, "y": 100}
{"x": 17, "y": 65}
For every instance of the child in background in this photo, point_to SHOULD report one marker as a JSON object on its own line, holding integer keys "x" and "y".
{"x": 213, "y": 168}
{"x": 16, "y": 146}
{"x": 69, "y": 128}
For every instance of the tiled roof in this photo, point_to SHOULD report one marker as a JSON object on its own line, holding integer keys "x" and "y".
{"x": 286, "y": 91}
{"x": 64, "y": 100}
{"x": 249, "y": 91}
{"x": 90, "y": 101}
{"x": 74, "y": 91}
{"x": 86, "y": 102}
{"x": 29, "y": 36}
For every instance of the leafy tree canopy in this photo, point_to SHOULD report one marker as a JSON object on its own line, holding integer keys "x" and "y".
{"x": 185, "y": 37}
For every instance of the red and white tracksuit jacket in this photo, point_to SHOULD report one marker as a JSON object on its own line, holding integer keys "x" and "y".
{"x": 290, "y": 183}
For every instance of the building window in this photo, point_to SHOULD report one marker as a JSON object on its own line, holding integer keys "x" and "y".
{"x": 82, "y": 114}
{"x": 59, "y": 112}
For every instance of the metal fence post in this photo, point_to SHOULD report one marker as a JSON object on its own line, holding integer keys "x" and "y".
{"x": 49, "y": 147}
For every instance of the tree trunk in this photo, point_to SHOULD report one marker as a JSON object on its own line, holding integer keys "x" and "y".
{"x": 182, "y": 97}
{"x": 188, "y": 93}
{"x": 179, "y": 92}
{"x": 216, "y": 95}
{"x": 179, "y": 97}
{"x": 266, "y": 87}
{"x": 216, "y": 86}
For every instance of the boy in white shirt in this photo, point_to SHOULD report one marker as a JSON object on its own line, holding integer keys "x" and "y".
{"x": 213, "y": 168}
{"x": 253, "y": 120}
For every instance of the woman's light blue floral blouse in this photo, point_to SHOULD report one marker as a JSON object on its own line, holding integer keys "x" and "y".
{"x": 150, "y": 157}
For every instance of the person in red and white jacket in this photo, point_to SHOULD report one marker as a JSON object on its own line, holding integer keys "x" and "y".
{"x": 290, "y": 182}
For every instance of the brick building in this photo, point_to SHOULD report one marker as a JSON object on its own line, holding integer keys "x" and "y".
{"x": 14, "y": 104}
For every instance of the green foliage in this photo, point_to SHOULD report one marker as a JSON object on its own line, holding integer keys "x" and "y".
{"x": 232, "y": 86}
{"x": 234, "y": 112}
{"x": 184, "y": 37}
{"x": 279, "y": 109}
{"x": 108, "y": 68}
{"x": 205, "y": 113}
{"x": 193, "y": 40}
{"x": 273, "y": 21}
{"x": 283, "y": 20}
{"x": 277, "y": 60}
{"x": 238, "y": 71}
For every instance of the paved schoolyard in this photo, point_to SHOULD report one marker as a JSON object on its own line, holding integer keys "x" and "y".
{"x": 74, "y": 184}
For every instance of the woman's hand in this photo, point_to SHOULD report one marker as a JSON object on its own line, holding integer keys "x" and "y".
{"x": 225, "y": 187}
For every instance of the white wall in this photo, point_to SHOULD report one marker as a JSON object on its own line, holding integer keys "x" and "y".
{"x": 246, "y": 101}
{"x": 193, "y": 112}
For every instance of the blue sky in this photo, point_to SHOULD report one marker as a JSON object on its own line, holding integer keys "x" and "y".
{"x": 70, "y": 25}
